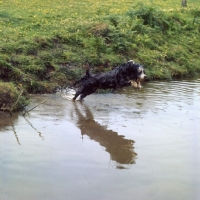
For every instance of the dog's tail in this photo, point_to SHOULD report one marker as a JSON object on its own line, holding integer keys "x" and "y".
{"x": 87, "y": 75}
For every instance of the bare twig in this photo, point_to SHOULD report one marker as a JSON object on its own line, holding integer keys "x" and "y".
{"x": 15, "y": 133}
{"x": 10, "y": 111}
{"x": 27, "y": 111}
{"x": 40, "y": 134}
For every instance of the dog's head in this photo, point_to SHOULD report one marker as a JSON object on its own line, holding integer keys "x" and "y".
{"x": 136, "y": 74}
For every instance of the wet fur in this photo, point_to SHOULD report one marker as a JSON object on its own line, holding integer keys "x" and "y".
{"x": 120, "y": 76}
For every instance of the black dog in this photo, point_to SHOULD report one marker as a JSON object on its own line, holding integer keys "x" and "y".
{"x": 127, "y": 74}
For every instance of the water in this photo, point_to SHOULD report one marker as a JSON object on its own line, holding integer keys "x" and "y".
{"x": 130, "y": 144}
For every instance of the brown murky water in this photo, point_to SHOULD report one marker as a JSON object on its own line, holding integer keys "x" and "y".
{"x": 131, "y": 144}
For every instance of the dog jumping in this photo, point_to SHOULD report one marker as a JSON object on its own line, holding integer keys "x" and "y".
{"x": 126, "y": 74}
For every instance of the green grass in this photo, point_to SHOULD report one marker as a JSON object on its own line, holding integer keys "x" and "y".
{"x": 12, "y": 97}
{"x": 45, "y": 44}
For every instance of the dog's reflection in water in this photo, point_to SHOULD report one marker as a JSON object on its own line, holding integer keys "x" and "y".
{"x": 120, "y": 149}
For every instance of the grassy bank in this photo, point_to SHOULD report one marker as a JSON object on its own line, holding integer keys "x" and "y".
{"x": 45, "y": 44}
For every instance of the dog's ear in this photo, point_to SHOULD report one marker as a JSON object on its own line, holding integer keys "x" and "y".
{"x": 140, "y": 69}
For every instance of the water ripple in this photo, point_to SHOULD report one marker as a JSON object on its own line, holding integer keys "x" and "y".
{"x": 154, "y": 95}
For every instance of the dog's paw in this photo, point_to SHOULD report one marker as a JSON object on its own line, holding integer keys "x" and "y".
{"x": 134, "y": 84}
{"x": 139, "y": 85}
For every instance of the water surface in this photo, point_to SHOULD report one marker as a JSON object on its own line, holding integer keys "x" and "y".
{"x": 130, "y": 144}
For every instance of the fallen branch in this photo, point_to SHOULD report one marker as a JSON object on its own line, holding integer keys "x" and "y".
{"x": 10, "y": 111}
{"x": 40, "y": 134}
{"x": 15, "y": 133}
{"x": 27, "y": 111}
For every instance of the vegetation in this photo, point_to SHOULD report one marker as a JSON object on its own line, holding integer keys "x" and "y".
{"x": 45, "y": 44}
{"x": 12, "y": 98}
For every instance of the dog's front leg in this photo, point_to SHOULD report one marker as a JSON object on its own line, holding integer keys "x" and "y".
{"x": 76, "y": 95}
{"x": 87, "y": 92}
{"x": 124, "y": 82}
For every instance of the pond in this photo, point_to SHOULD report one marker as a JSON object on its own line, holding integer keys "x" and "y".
{"x": 129, "y": 144}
